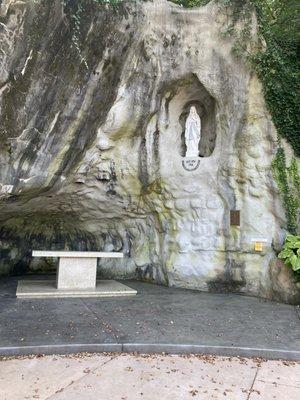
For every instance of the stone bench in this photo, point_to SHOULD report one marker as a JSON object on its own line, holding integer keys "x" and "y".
{"x": 76, "y": 277}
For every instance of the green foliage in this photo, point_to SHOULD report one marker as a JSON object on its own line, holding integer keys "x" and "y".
{"x": 288, "y": 181}
{"x": 291, "y": 253}
{"x": 278, "y": 65}
{"x": 275, "y": 56}
{"x": 191, "y": 3}
{"x": 294, "y": 176}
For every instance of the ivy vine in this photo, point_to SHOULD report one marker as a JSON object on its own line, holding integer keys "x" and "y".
{"x": 288, "y": 181}
{"x": 274, "y": 57}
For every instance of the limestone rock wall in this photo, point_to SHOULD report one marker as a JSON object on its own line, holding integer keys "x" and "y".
{"x": 93, "y": 158}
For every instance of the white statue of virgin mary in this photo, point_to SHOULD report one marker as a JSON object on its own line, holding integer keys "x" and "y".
{"x": 192, "y": 133}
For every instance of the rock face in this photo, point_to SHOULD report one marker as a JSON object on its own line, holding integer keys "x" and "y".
{"x": 92, "y": 158}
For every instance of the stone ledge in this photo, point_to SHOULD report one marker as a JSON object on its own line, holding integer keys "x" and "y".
{"x": 35, "y": 289}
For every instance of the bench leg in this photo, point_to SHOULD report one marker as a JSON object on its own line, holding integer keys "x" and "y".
{"x": 76, "y": 273}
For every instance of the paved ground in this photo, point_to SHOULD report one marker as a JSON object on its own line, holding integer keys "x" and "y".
{"x": 157, "y": 319}
{"x": 155, "y": 377}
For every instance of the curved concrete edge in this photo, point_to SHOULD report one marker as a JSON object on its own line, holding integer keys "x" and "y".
{"x": 60, "y": 349}
{"x": 148, "y": 348}
{"x": 226, "y": 351}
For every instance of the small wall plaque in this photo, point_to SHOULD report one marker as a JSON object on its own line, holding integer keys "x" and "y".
{"x": 258, "y": 246}
{"x": 235, "y": 217}
{"x": 190, "y": 164}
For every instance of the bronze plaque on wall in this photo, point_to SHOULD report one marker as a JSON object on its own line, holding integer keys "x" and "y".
{"x": 235, "y": 217}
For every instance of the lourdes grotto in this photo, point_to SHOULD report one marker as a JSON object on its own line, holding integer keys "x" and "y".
{"x": 163, "y": 131}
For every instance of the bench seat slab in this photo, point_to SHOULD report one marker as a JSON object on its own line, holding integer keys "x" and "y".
{"x": 76, "y": 273}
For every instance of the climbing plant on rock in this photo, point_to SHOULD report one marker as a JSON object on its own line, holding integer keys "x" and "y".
{"x": 288, "y": 182}
{"x": 273, "y": 54}
{"x": 274, "y": 57}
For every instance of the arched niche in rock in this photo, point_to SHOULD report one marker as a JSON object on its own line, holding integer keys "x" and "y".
{"x": 187, "y": 92}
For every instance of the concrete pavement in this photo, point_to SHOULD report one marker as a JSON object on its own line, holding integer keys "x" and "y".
{"x": 157, "y": 319}
{"x": 147, "y": 377}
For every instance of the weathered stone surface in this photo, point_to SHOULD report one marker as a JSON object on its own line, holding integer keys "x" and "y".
{"x": 92, "y": 159}
{"x": 284, "y": 285}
